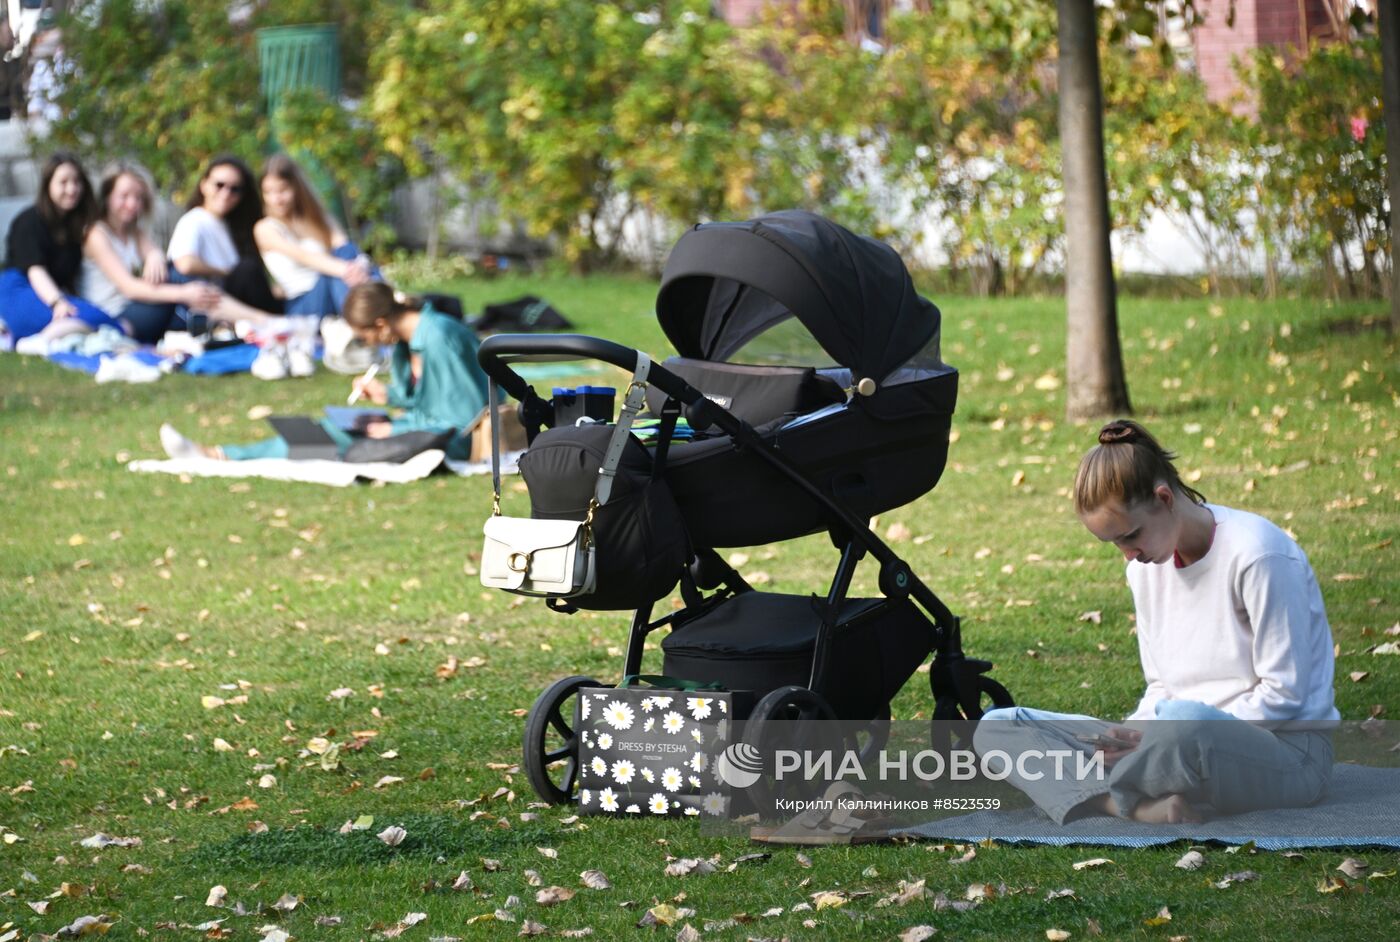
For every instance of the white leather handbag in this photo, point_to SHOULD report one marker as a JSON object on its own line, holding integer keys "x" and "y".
{"x": 552, "y": 558}
{"x": 538, "y": 557}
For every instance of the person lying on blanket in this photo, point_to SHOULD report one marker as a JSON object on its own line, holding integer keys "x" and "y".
{"x": 434, "y": 378}
{"x": 1234, "y": 644}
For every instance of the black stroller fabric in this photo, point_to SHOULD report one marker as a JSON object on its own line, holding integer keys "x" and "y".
{"x": 761, "y": 641}
{"x": 756, "y": 394}
{"x": 640, "y": 540}
{"x": 727, "y": 282}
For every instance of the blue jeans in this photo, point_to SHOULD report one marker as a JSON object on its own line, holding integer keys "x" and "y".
{"x": 328, "y": 296}
{"x": 1203, "y": 754}
{"x": 149, "y": 322}
{"x": 276, "y": 446}
{"x": 24, "y": 313}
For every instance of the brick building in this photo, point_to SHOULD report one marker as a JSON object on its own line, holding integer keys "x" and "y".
{"x": 1279, "y": 23}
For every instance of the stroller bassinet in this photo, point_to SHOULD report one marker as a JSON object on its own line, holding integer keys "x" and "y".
{"x": 809, "y": 367}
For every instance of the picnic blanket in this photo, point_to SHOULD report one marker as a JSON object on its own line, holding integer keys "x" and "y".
{"x": 237, "y": 358}
{"x": 332, "y": 473}
{"x": 1362, "y": 808}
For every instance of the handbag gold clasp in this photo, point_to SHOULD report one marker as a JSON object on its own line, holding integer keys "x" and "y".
{"x": 519, "y": 562}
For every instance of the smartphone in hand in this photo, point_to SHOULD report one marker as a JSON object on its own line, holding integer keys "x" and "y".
{"x": 1106, "y": 741}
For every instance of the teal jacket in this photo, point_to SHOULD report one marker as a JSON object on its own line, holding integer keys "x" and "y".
{"x": 451, "y": 390}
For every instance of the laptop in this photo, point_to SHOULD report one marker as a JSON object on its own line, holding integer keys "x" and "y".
{"x": 305, "y": 438}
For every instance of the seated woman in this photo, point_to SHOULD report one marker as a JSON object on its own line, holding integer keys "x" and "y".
{"x": 125, "y": 274}
{"x": 214, "y": 241}
{"x": 434, "y": 378}
{"x": 43, "y": 256}
{"x": 309, "y": 258}
{"x": 1235, "y": 647}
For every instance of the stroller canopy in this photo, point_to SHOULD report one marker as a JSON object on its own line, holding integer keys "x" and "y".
{"x": 727, "y": 282}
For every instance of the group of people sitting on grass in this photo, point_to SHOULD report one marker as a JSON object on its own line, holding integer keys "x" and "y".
{"x": 245, "y": 254}
{"x": 245, "y": 250}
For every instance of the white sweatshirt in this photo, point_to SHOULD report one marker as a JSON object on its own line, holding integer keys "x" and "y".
{"x": 1242, "y": 629}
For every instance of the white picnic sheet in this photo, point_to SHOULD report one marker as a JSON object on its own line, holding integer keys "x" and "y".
{"x": 332, "y": 473}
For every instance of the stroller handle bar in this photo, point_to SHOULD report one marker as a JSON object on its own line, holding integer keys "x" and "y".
{"x": 497, "y": 353}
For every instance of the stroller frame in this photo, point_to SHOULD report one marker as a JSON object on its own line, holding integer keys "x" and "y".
{"x": 958, "y": 683}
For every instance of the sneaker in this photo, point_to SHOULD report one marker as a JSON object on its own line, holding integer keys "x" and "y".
{"x": 271, "y": 363}
{"x": 35, "y": 345}
{"x": 177, "y": 445}
{"x": 300, "y": 363}
{"x": 176, "y": 342}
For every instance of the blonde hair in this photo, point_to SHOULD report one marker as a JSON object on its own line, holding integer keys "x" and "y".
{"x": 109, "y": 183}
{"x": 1126, "y": 466}
{"x": 374, "y": 301}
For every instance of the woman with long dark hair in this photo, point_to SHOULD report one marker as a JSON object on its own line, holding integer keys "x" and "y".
{"x": 214, "y": 239}
{"x": 44, "y": 255}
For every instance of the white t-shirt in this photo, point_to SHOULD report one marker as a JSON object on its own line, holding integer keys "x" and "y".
{"x": 96, "y": 286}
{"x": 202, "y": 234}
{"x": 294, "y": 278}
{"x": 1242, "y": 629}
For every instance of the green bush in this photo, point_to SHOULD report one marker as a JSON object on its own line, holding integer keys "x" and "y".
{"x": 1319, "y": 144}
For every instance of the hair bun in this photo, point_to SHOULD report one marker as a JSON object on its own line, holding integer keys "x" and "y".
{"x": 1116, "y": 432}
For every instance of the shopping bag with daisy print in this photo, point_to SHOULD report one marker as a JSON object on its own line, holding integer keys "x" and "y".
{"x": 646, "y": 751}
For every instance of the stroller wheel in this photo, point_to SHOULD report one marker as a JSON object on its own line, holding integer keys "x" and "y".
{"x": 551, "y": 743}
{"x": 868, "y": 742}
{"x": 952, "y": 727}
{"x": 789, "y": 718}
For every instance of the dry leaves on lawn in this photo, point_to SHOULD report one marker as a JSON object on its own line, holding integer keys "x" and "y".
{"x": 595, "y": 880}
{"x": 1095, "y": 862}
{"x": 554, "y": 895}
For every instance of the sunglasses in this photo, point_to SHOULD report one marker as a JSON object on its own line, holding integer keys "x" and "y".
{"x": 234, "y": 188}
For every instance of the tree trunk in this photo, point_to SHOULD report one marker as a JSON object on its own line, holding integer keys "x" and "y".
{"x": 1094, "y": 382}
{"x": 1390, "y": 84}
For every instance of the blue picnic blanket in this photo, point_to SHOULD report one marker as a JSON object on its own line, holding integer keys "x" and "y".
{"x": 89, "y": 364}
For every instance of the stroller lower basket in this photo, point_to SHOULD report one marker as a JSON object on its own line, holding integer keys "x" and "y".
{"x": 761, "y": 641}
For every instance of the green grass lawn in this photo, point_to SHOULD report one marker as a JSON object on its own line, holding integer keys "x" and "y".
{"x": 127, "y": 600}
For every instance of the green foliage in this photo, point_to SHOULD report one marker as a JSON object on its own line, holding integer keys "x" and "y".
{"x": 576, "y": 118}
{"x": 347, "y": 147}
{"x": 169, "y": 85}
{"x": 1319, "y": 134}
{"x": 967, "y": 98}
{"x": 569, "y": 114}
{"x": 180, "y": 87}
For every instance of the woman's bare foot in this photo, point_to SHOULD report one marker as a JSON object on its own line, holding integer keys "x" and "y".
{"x": 1169, "y": 809}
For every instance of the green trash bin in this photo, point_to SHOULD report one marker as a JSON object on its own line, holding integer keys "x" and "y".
{"x": 297, "y": 57}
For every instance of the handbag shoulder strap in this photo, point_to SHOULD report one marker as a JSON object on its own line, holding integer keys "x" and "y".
{"x": 631, "y": 404}
{"x": 492, "y": 397}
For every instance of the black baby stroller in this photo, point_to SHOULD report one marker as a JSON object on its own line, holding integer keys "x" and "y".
{"x": 809, "y": 374}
